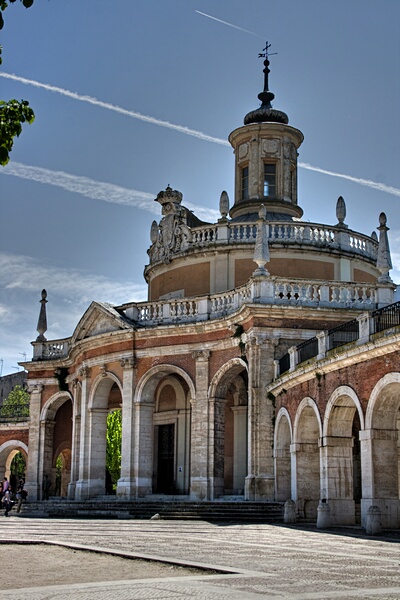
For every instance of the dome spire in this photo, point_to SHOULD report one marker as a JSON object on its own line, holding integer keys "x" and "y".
{"x": 266, "y": 114}
{"x": 266, "y": 96}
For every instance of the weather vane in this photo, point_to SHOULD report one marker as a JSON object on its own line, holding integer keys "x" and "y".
{"x": 265, "y": 52}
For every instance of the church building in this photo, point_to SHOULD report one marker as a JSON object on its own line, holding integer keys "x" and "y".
{"x": 263, "y": 366}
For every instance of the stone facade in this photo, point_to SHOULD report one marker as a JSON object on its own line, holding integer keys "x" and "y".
{"x": 209, "y": 409}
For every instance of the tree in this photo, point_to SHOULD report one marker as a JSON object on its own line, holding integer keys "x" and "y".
{"x": 12, "y": 113}
{"x": 113, "y": 448}
{"x": 16, "y": 404}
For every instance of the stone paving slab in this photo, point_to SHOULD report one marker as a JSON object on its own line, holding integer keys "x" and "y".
{"x": 265, "y": 561}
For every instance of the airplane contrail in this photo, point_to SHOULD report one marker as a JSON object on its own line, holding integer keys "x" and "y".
{"x": 98, "y": 190}
{"x": 187, "y": 131}
{"x": 115, "y": 108}
{"x": 229, "y": 24}
{"x": 367, "y": 182}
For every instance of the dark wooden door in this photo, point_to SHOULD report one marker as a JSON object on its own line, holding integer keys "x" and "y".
{"x": 166, "y": 459}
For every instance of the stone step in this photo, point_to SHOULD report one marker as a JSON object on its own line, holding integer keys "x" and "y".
{"x": 265, "y": 512}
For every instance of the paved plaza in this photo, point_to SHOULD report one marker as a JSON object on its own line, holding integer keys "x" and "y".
{"x": 245, "y": 561}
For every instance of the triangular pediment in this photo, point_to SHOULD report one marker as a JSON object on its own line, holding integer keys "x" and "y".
{"x": 99, "y": 318}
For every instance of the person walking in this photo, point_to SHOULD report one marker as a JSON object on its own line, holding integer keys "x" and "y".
{"x": 21, "y": 494}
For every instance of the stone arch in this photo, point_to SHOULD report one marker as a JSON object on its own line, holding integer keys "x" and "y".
{"x": 228, "y": 410}
{"x": 162, "y": 455}
{"x": 340, "y": 454}
{"x": 307, "y": 432}
{"x": 52, "y": 405}
{"x": 7, "y": 452}
{"x": 145, "y": 389}
{"x": 101, "y": 388}
{"x": 381, "y": 452}
{"x": 219, "y": 382}
{"x": 283, "y": 436}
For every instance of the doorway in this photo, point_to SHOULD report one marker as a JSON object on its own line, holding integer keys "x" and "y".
{"x": 166, "y": 459}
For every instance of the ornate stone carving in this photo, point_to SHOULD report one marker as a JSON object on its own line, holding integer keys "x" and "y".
{"x": 35, "y": 388}
{"x": 201, "y": 354}
{"x": 84, "y": 372}
{"x": 172, "y": 234}
{"x": 243, "y": 150}
{"x": 270, "y": 146}
{"x": 103, "y": 371}
{"x": 128, "y": 362}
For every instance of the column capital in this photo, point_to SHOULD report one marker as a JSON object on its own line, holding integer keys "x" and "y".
{"x": 128, "y": 362}
{"x": 201, "y": 355}
{"x": 35, "y": 388}
{"x": 84, "y": 372}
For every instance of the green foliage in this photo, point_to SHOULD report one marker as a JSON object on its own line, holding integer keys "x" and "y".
{"x": 16, "y": 403}
{"x": 12, "y": 113}
{"x": 18, "y": 466}
{"x": 114, "y": 442}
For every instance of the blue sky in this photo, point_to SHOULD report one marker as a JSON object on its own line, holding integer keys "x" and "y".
{"x": 76, "y": 200}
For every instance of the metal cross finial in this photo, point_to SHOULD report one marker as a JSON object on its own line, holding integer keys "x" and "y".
{"x": 265, "y": 53}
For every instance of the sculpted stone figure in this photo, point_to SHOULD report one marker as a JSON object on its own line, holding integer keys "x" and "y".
{"x": 172, "y": 234}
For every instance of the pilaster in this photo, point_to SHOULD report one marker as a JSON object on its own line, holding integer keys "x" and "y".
{"x": 261, "y": 412}
{"x": 32, "y": 483}
{"x": 202, "y": 439}
{"x": 126, "y": 483}
{"x": 82, "y": 489}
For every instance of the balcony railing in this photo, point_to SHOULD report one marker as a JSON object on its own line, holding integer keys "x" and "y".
{"x": 378, "y": 320}
{"x": 281, "y": 233}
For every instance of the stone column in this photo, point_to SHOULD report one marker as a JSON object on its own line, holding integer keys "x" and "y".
{"x": 126, "y": 483}
{"x": 260, "y": 482}
{"x": 46, "y": 453}
{"x": 200, "y": 486}
{"x": 143, "y": 449}
{"x": 32, "y": 484}
{"x": 76, "y": 427}
{"x": 239, "y": 448}
{"x": 379, "y": 467}
{"x": 81, "y": 489}
{"x": 97, "y": 451}
{"x": 337, "y": 478}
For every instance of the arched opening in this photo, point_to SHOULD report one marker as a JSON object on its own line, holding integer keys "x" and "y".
{"x": 228, "y": 414}
{"x": 113, "y": 450}
{"x": 104, "y": 470}
{"x": 283, "y": 471}
{"x": 307, "y": 459}
{"x": 171, "y": 421}
{"x": 381, "y": 452}
{"x": 341, "y": 456}
{"x": 13, "y": 459}
{"x": 56, "y": 437}
{"x": 62, "y": 472}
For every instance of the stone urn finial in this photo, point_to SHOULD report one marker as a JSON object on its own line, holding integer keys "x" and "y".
{"x": 42, "y": 322}
{"x": 261, "y": 250}
{"x": 383, "y": 261}
{"x": 224, "y": 204}
{"x": 341, "y": 212}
